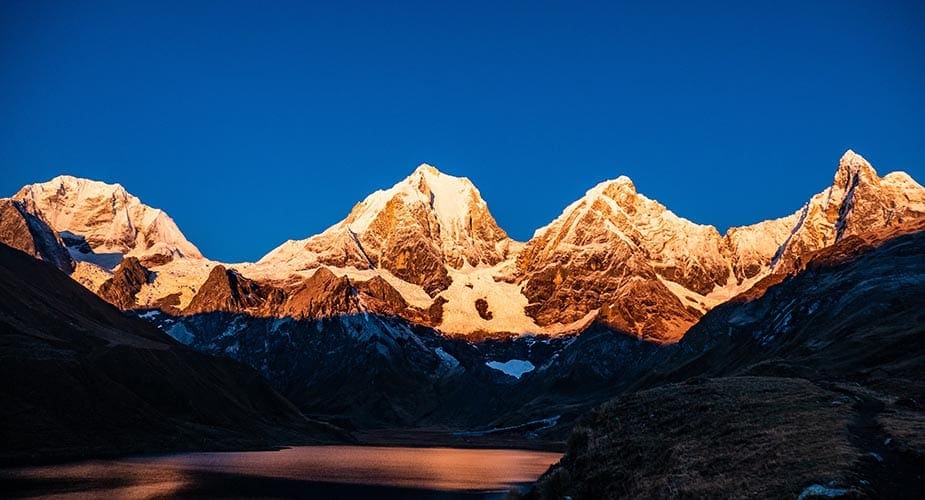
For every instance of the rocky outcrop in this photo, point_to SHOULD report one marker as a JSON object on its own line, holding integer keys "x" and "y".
{"x": 126, "y": 282}
{"x": 379, "y": 296}
{"x": 321, "y": 295}
{"x": 227, "y": 291}
{"x": 750, "y": 250}
{"x": 30, "y": 234}
{"x": 481, "y": 307}
{"x": 325, "y": 295}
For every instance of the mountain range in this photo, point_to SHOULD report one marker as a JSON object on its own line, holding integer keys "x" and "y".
{"x": 418, "y": 314}
{"x": 428, "y": 250}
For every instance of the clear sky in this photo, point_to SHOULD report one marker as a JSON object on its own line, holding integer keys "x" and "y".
{"x": 256, "y": 122}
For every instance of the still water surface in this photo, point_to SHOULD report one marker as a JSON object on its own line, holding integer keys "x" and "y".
{"x": 300, "y": 472}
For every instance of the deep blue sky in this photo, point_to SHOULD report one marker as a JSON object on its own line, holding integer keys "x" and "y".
{"x": 253, "y": 123}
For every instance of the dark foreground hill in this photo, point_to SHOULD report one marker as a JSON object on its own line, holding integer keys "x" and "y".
{"x": 813, "y": 388}
{"x": 80, "y": 378}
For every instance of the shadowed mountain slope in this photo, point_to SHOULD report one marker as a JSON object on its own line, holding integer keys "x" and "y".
{"x": 81, "y": 378}
{"x": 816, "y": 384}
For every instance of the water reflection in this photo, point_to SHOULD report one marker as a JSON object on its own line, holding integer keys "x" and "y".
{"x": 311, "y": 471}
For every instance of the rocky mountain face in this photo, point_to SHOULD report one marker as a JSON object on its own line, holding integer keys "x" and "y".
{"x": 858, "y": 201}
{"x": 826, "y": 317}
{"x": 429, "y": 251}
{"x": 821, "y": 374}
{"x": 112, "y": 222}
{"x": 610, "y": 252}
{"x": 321, "y": 295}
{"x": 371, "y": 371}
{"x": 653, "y": 274}
{"x": 417, "y": 230}
{"x": 227, "y": 291}
{"x": 121, "y": 290}
{"x": 28, "y": 233}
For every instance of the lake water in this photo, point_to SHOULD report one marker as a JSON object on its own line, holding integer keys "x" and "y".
{"x": 299, "y": 472}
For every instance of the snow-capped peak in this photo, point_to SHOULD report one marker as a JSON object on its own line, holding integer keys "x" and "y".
{"x": 852, "y": 168}
{"x": 426, "y": 168}
{"x": 111, "y": 220}
{"x": 419, "y": 228}
{"x": 623, "y": 183}
{"x": 452, "y": 199}
{"x": 852, "y": 158}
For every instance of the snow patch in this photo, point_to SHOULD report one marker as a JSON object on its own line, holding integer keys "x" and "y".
{"x": 817, "y": 490}
{"x": 515, "y": 367}
{"x": 530, "y": 427}
{"x": 179, "y": 332}
{"x": 505, "y": 301}
{"x": 277, "y": 323}
{"x": 446, "y": 358}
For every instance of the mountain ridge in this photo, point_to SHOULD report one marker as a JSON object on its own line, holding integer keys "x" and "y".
{"x": 613, "y": 256}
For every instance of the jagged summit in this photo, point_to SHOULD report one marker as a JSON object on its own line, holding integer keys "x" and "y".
{"x": 852, "y": 158}
{"x": 618, "y": 252}
{"x": 623, "y": 183}
{"x": 858, "y": 201}
{"x": 430, "y": 251}
{"x": 451, "y": 199}
{"x": 110, "y": 220}
{"x": 853, "y": 169}
{"x": 426, "y": 168}
{"x": 419, "y": 228}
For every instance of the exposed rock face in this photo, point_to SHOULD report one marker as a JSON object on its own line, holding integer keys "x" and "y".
{"x": 649, "y": 311}
{"x": 481, "y": 306}
{"x": 75, "y": 242}
{"x": 30, "y": 234}
{"x": 613, "y": 214}
{"x": 607, "y": 250}
{"x": 377, "y": 295}
{"x": 227, "y": 291}
{"x": 416, "y": 230}
{"x": 126, "y": 282}
{"x": 323, "y": 294}
{"x": 110, "y": 220}
{"x": 751, "y": 249}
